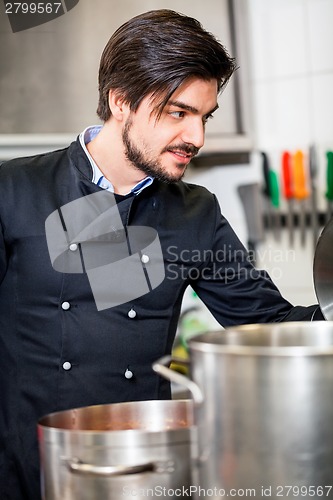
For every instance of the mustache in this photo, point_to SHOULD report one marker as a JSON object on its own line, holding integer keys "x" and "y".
{"x": 188, "y": 149}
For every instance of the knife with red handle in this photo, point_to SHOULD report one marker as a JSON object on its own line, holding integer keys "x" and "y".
{"x": 288, "y": 191}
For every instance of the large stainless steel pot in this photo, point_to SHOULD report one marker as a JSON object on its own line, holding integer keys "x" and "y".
{"x": 123, "y": 450}
{"x": 264, "y": 410}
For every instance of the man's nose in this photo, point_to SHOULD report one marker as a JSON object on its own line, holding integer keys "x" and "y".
{"x": 194, "y": 134}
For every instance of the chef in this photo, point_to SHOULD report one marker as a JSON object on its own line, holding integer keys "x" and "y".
{"x": 98, "y": 242}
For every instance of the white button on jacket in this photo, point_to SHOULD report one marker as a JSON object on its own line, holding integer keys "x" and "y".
{"x": 128, "y": 374}
{"x": 131, "y": 313}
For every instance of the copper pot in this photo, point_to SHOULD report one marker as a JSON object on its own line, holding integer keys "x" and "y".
{"x": 116, "y": 451}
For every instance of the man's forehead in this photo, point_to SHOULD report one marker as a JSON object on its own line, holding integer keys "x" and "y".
{"x": 199, "y": 94}
{"x": 195, "y": 94}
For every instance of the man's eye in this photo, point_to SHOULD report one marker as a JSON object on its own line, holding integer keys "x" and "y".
{"x": 177, "y": 114}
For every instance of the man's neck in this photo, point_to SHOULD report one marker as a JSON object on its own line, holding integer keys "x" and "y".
{"x": 107, "y": 150}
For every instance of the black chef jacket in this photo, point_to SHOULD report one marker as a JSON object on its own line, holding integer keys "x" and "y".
{"x": 57, "y": 350}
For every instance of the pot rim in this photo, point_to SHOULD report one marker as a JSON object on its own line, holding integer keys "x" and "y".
{"x": 262, "y": 351}
{"x": 49, "y": 429}
{"x": 210, "y": 342}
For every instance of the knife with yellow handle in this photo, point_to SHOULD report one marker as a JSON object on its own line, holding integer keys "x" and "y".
{"x": 301, "y": 192}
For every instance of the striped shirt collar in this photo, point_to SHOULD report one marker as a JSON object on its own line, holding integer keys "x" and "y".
{"x": 98, "y": 178}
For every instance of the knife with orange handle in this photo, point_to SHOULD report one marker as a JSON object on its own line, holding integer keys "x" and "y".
{"x": 301, "y": 192}
{"x": 288, "y": 191}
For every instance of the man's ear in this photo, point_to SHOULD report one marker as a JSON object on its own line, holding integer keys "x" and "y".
{"x": 118, "y": 107}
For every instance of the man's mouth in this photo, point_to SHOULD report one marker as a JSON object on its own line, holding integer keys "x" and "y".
{"x": 184, "y": 154}
{"x": 181, "y": 157}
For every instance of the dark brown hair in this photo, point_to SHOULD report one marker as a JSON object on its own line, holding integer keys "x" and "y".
{"x": 154, "y": 53}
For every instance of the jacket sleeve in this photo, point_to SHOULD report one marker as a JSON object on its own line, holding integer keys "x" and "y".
{"x": 300, "y": 313}
{"x": 3, "y": 260}
{"x": 3, "y": 257}
{"x": 235, "y": 291}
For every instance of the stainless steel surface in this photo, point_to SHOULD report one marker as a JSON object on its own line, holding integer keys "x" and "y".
{"x": 323, "y": 271}
{"x": 113, "y": 451}
{"x": 266, "y": 419}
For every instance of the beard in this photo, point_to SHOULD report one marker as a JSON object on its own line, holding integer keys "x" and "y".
{"x": 144, "y": 160}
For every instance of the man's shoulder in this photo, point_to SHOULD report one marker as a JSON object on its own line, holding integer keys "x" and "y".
{"x": 28, "y": 164}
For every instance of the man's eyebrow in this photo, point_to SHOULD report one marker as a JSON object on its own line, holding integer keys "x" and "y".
{"x": 191, "y": 109}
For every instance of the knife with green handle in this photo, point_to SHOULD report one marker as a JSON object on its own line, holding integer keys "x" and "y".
{"x": 266, "y": 191}
{"x": 329, "y": 185}
{"x": 275, "y": 200}
{"x": 271, "y": 193}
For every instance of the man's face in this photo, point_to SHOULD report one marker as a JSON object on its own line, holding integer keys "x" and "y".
{"x": 163, "y": 147}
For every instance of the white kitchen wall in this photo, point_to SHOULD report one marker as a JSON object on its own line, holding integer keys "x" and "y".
{"x": 291, "y": 88}
{"x": 291, "y": 58}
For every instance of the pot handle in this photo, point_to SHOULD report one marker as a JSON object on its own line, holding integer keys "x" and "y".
{"x": 77, "y": 467}
{"x": 160, "y": 367}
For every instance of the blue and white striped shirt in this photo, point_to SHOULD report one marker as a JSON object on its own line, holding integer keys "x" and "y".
{"x": 98, "y": 178}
